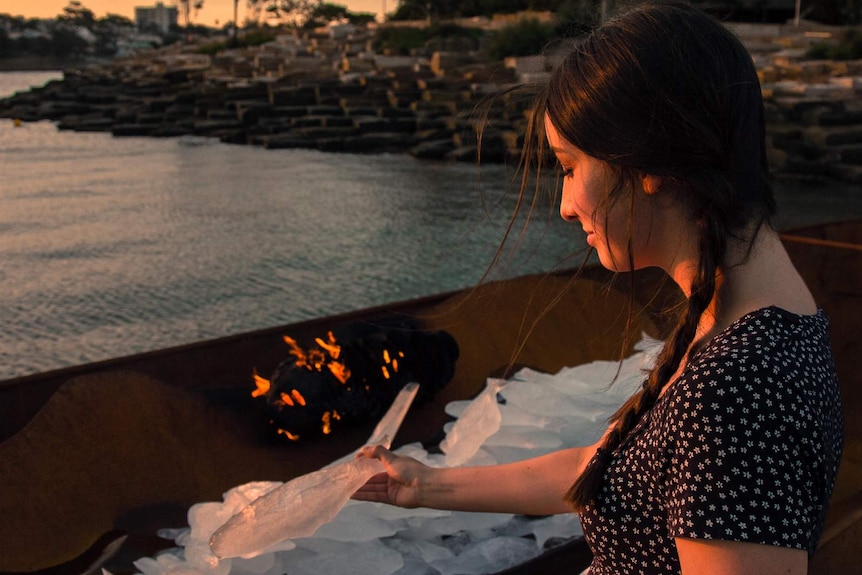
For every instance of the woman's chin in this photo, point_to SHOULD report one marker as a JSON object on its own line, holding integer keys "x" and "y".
{"x": 613, "y": 263}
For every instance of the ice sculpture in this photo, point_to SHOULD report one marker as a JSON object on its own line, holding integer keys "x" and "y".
{"x": 298, "y": 507}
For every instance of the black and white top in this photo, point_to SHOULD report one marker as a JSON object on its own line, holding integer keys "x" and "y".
{"x": 744, "y": 446}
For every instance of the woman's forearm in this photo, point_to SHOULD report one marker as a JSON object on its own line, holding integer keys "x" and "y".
{"x": 534, "y": 486}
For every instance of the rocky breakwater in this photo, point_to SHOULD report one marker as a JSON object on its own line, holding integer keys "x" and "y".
{"x": 319, "y": 90}
{"x": 813, "y": 107}
{"x": 297, "y": 92}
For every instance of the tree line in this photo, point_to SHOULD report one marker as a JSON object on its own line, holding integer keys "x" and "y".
{"x": 835, "y": 12}
{"x": 74, "y": 32}
{"x": 77, "y": 32}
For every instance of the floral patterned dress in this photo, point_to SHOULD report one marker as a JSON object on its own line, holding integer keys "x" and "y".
{"x": 744, "y": 446}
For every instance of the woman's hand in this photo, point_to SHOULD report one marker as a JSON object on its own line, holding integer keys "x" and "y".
{"x": 399, "y": 485}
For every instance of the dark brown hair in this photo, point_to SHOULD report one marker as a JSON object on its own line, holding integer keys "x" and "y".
{"x": 666, "y": 90}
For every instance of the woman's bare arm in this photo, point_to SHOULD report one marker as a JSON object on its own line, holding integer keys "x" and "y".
{"x": 714, "y": 557}
{"x": 533, "y": 486}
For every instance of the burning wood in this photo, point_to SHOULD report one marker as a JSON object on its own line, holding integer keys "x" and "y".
{"x": 352, "y": 377}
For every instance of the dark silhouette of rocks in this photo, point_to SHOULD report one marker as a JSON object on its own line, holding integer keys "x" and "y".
{"x": 337, "y": 95}
{"x": 311, "y": 92}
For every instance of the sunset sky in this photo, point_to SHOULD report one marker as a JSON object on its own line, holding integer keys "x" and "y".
{"x": 213, "y": 13}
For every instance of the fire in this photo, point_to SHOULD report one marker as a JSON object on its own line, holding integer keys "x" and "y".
{"x": 357, "y": 376}
{"x": 298, "y": 397}
{"x": 316, "y": 359}
{"x": 330, "y": 346}
{"x": 312, "y": 359}
{"x": 289, "y": 435}
{"x": 339, "y": 370}
{"x": 262, "y": 386}
{"x": 292, "y": 399}
{"x": 389, "y": 360}
{"x": 327, "y": 419}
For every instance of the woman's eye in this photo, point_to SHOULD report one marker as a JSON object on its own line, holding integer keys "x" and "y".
{"x": 565, "y": 170}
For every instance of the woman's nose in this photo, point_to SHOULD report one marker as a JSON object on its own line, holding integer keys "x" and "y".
{"x": 566, "y": 211}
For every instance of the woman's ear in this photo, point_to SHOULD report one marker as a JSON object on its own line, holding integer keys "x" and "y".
{"x": 651, "y": 184}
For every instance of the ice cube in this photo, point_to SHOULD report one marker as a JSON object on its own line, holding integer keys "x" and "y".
{"x": 199, "y": 555}
{"x": 160, "y": 565}
{"x": 296, "y": 509}
{"x": 456, "y": 408}
{"x": 565, "y": 526}
{"x": 526, "y": 437}
{"x": 260, "y": 565}
{"x": 356, "y": 522}
{"x": 480, "y": 420}
{"x": 368, "y": 558}
{"x": 512, "y": 415}
{"x": 541, "y": 400}
{"x": 467, "y": 522}
{"x": 418, "y": 550}
{"x": 489, "y": 556}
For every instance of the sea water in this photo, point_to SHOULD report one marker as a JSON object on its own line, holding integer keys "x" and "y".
{"x": 113, "y": 246}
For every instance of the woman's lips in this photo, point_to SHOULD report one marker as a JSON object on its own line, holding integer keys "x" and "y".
{"x": 590, "y": 237}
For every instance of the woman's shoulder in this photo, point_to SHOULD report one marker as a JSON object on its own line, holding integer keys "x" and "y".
{"x": 769, "y": 334}
{"x": 769, "y": 354}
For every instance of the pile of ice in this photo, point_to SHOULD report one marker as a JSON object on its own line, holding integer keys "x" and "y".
{"x": 528, "y": 415}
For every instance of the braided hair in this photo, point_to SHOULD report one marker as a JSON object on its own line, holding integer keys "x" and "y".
{"x": 666, "y": 90}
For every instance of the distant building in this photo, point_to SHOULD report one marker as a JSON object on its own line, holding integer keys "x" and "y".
{"x": 159, "y": 17}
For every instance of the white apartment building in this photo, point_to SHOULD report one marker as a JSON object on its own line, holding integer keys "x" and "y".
{"x": 159, "y": 16}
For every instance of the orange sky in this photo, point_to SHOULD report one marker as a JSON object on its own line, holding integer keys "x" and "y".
{"x": 213, "y": 11}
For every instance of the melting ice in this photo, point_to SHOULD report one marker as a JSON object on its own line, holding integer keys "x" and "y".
{"x": 528, "y": 415}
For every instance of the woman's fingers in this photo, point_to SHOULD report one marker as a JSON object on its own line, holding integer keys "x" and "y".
{"x": 375, "y": 489}
{"x": 377, "y": 452}
{"x": 391, "y": 486}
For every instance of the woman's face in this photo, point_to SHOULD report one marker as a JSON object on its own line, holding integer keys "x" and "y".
{"x": 587, "y": 183}
{"x": 638, "y": 213}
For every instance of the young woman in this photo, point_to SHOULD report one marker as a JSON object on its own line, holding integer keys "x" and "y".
{"x": 725, "y": 461}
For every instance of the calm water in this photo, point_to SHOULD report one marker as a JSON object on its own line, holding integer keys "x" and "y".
{"x": 111, "y": 246}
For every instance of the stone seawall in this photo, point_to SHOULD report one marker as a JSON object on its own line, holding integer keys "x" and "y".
{"x": 336, "y": 95}
{"x": 813, "y": 107}
{"x": 311, "y": 93}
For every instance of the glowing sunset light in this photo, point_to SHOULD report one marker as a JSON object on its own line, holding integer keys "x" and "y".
{"x": 215, "y": 13}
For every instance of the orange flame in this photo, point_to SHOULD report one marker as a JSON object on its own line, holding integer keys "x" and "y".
{"x": 289, "y": 435}
{"x": 330, "y": 346}
{"x": 298, "y": 397}
{"x": 286, "y": 399}
{"x": 291, "y": 399}
{"x": 326, "y": 354}
{"x": 328, "y": 418}
{"x": 295, "y": 350}
{"x": 262, "y": 386}
{"x": 388, "y": 359}
{"x": 339, "y": 370}
{"x": 315, "y": 359}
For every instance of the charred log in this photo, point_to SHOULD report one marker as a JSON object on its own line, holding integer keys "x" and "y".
{"x": 350, "y": 377}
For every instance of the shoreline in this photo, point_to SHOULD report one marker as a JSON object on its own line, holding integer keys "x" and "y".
{"x": 334, "y": 94}
{"x": 34, "y": 64}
